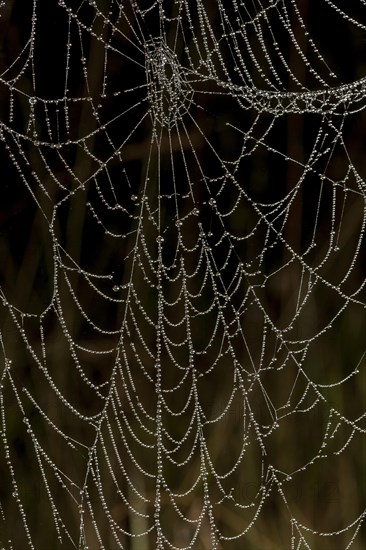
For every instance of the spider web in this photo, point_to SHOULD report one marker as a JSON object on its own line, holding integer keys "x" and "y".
{"x": 183, "y": 278}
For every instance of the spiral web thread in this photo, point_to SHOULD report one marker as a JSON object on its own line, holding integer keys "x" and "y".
{"x": 175, "y": 378}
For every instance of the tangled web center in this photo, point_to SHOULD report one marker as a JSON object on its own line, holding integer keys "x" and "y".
{"x": 169, "y": 92}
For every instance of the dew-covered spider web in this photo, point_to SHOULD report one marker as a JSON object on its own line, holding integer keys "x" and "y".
{"x": 182, "y": 250}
